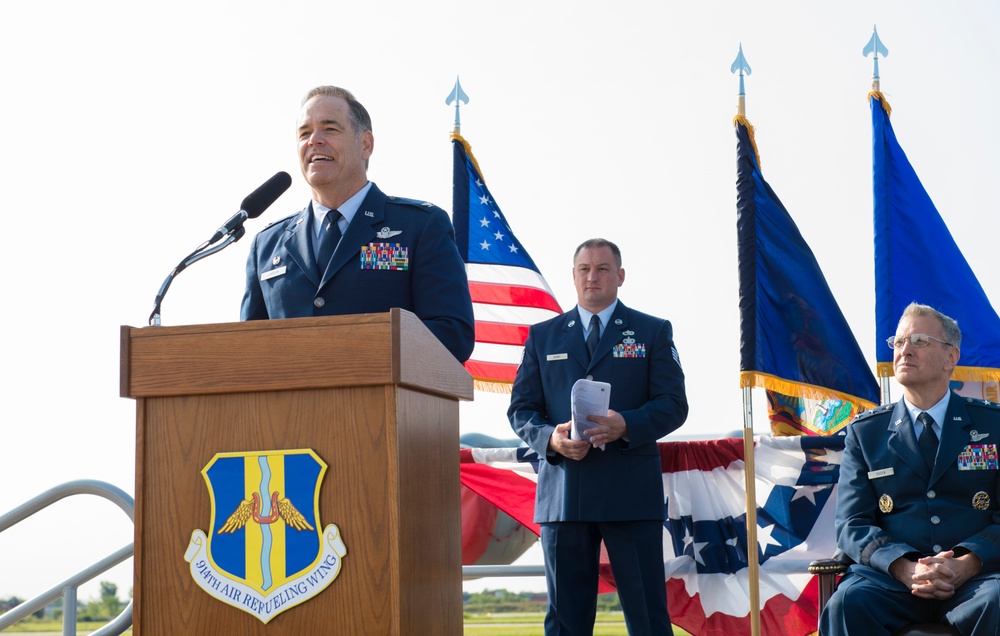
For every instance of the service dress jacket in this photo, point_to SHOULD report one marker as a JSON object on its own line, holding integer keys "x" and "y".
{"x": 636, "y": 355}
{"x": 890, "y": 505}
{"x": 395, "y": 253}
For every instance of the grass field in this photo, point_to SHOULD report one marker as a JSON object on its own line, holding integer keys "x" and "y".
{"x": 609, "y": 624}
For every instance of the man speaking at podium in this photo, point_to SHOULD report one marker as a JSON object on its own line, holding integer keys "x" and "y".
{"x": 353, "y": 249}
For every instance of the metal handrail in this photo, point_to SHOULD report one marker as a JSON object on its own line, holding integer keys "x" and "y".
{"x": 67, "y": 589}
{"x": 490, "y": 571}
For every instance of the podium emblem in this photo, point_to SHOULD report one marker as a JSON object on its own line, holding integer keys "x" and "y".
{"x": 265, "y": 550}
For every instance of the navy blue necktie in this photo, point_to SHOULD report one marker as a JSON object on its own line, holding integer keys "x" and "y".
{"x": 928, "y": 441}
{"x": 328, "y": 240}
{"x": 594, "y": 336}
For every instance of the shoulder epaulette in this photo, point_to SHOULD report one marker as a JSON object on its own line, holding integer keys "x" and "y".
{"x": 875, "y": 411}
{"x": 424, "y": 205}
{"x": 273, "y": 223}
{"x": 981, "y": 403}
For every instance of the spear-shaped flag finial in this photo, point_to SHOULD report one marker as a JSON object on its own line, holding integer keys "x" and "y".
{"x": 740, "y": 65}
{"x": 875, "y": 46}
{"x": 458, "y": 96}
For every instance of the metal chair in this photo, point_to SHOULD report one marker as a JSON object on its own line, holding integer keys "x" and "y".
{"x": 829, "y": 572}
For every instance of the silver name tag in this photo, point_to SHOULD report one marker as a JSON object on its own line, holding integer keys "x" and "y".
{"x": 875, "y": 474}
{"x": 271, "y": 273}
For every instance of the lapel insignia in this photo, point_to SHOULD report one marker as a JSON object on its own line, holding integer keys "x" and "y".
{"x": 618, "y": 321}
{"x": 885, "y": 504}
{"x": 977, "y": 436}
{"x": 385, "y": 233}
{"x": 571, "y": 323}
{"x": 369, "y": 214}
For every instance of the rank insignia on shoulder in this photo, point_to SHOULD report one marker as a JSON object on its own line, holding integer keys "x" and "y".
{"x": 885, "y": 503}
{"x": 979, "y": 457}
{"x": 981, "y": 501}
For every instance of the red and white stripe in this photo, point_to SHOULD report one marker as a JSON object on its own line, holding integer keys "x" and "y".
{"x": 506, "y": 301}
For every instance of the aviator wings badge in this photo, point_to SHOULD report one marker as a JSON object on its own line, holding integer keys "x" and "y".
{"x": 264, "y": 553}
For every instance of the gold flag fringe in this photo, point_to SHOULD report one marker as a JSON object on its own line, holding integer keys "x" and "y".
{"x": 468, "y": 151}
{"x": 881, "y": 98}
{"x": 798, "y": 389}
{"x": 962, "y": 374}
{"x": 492, "y": 386}
{"x": 743, "y": 121}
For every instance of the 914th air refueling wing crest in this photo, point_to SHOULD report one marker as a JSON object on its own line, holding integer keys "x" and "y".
{"x": 264, "y": 553}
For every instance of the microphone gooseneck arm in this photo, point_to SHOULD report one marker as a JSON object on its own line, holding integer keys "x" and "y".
{"x": 231, "y": 231}
{"x": 205, "y": 249}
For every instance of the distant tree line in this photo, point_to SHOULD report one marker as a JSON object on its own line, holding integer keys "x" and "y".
{"x": 102, "y": 609}
{"x": 504, "y": 602}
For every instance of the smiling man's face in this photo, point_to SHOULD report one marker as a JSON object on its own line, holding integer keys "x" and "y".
{"x": 331, "y": 154}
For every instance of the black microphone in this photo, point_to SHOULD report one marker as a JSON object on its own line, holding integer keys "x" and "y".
{"x": 255, "y": 204}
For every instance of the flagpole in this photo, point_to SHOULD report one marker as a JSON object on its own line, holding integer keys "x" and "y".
{"x": 457, "y": 96}
{"x": 749, "y": 472}
{"x": 740, "y": 64}
{"x": 874, "y": 47}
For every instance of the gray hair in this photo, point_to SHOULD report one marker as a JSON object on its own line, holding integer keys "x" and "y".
{"x": 950, "y": 326}
{"x": 361, "y": 121}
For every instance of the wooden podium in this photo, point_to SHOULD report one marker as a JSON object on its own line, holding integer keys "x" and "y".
{"x": 374, "y": 395}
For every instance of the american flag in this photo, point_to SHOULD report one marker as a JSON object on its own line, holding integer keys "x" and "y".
{"x": 704, "y": 535}
{"x": 508, "y": 292}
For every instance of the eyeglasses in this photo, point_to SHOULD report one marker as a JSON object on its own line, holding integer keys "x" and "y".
{"x": 918, "y": 340}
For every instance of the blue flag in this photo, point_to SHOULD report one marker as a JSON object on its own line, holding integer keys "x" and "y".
{"x": 793, "y": 337}
{"x": 917, "y": 260}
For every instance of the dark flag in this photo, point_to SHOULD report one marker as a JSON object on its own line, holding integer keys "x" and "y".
{"x": 794, "y": 340}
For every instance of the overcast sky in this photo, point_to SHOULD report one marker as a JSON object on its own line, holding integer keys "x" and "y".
{"x": 130, "y": 131}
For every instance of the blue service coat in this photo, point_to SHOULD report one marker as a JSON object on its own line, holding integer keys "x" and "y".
{"x": 889, "y": 504}
{"x": 427, "y": 276}
{"x": 624, "y": 481}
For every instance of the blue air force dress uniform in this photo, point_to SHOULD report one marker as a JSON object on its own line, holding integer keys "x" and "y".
{"x": 395, "y": 253}
{"x": 622, "y": 483}
{"x": 891, "y": 505}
